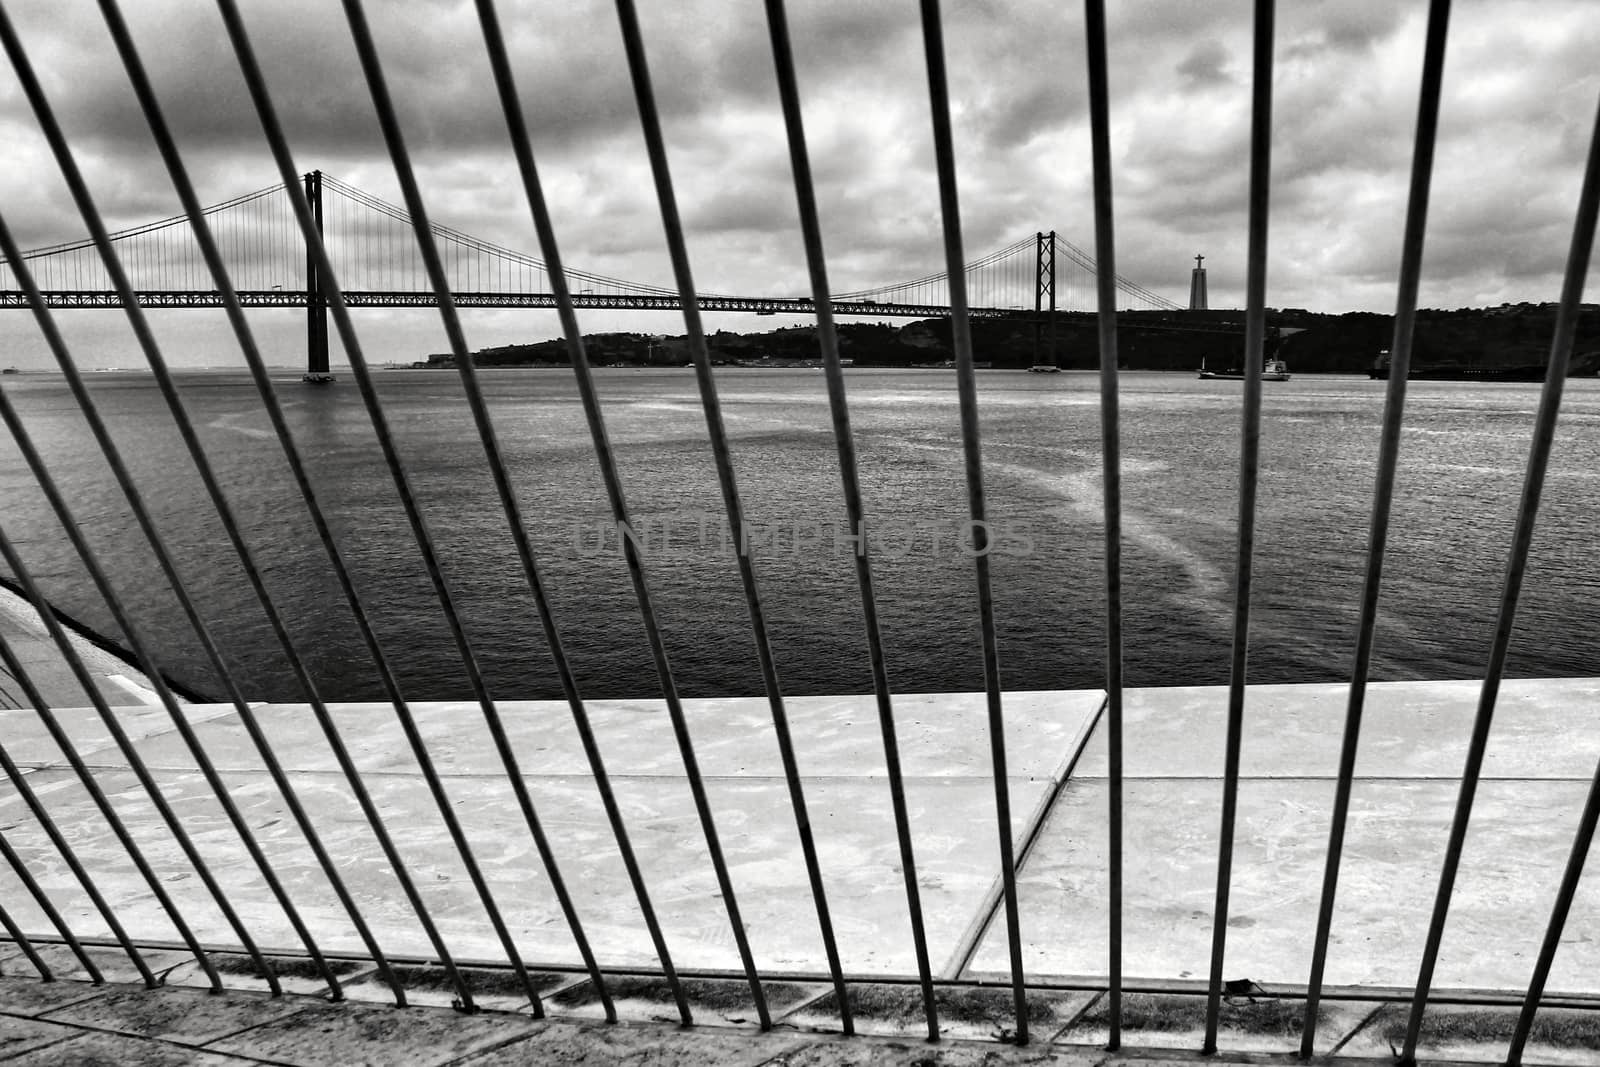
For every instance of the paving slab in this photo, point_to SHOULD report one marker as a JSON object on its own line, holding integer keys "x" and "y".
{"x": 963, "y": 1012}
{"x": 295, "y": 974}
{"x": 364, "y": 1034}
{"x": 712, "y": 1001}
{"x": 868, "y": 1052}
{"x": 118, "y": 1050}
{"x": 1479, "y": 1034}
{"x": 939, "y": 734}
{"x": 949, "y": 795}
{"x": 597, "y": 1044}
{"x": 183, "y": 1016}
{"x": 1244, "y": 1024}
{"x": 113, "y": 963}
{"x": 1409, "y": 730}
{"x": 30, "y": 996}
{"x": 19, "y": 1035}
{"x": 1517, "y": 843}
{"x": 492, "y": 989}
{"x": 29, "y": 744}
{"x": 1393, "y": 849}
{"x": 951, "y": 818}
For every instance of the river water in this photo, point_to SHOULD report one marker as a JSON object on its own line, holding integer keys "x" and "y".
{"x": 1461, "y": 472}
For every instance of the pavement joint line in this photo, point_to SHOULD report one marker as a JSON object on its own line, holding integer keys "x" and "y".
{"x": 988, "y": 909}
{"x": 89, "y": 1028}
{"x": 1078, "y": 1015}
{"x": 539, "y": 1026}
{"x": 820, "y": 995}
{"x": 39, "y": 1048}
{"x": 10, "y": 1013}
{"x": 1365, "y": 1022}
{"x": 254, "y": 1026}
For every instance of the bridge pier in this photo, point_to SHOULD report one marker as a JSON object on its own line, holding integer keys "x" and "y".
{"x": 1045, "y": 249}
{"x": 317, "y": 372}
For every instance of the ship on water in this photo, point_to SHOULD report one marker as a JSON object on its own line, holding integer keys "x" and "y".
{"x": 1273, "y": 370}
{"x": 1584, "y": 365}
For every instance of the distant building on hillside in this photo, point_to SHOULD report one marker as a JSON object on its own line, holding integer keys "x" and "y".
{"x": 1197, "y": 285}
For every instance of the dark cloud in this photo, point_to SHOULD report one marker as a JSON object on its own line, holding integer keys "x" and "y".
{"x": 1207, "y": 64}
{"x": 1521, "y": 84}
{"x": 1332, "y": 26}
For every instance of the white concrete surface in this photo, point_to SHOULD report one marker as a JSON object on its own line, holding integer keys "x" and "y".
{"x": 949, "y": 792}
{"x": 1542, "y": 752}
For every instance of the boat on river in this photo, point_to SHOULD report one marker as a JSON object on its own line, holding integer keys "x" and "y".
{"x": 1466, "y": 372}
{"x": 1274, "y": 370}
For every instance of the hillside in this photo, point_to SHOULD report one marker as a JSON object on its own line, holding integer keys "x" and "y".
{"x": 1310, "y": 342}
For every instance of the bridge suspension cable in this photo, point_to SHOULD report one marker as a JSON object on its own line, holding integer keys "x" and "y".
{"x": 374, "y": 253}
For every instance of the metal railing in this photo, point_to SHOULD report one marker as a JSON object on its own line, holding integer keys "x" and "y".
{"x": 431, "y": 544}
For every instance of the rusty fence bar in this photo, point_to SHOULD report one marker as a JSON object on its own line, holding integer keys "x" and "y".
{"x": 432, "y": 546}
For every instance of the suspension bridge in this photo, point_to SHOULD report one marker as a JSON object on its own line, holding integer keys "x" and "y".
{"x": 372, "y": 248}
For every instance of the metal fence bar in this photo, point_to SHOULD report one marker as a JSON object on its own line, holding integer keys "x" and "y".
{"x": 650, "y": 121}
{"x": 1111, "y": 477}
{"x": 1544, "y": 431}
{"x": 250, "y": 69}
{"x": 1571, "y": 876}
{"x": 19, "y": 867}
{"x": 1249, "y": 473}
{"x": 273, "y": 130}
{"x": 523, "y": 149}
{"x": 142, "y": 655}
{"x": 373, "y": 72}
{"x": 1383, "y": 491}
{"x": 19, "y": 781}
{"x": 148, "y": 104}
{"x": 212, "y": 256}
{"x": 966, "y": 384}
{"x": 850, "y": 478}
{"x": 20, "y": 939}
{"x": 85, "y": 776}
{"x": 1385, "y": 481}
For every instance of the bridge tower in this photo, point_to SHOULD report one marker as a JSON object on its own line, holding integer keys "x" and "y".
{"x": 317, "y": 372}
{"x": 1197, "y": 285}
{"x": 1045, "y": 288}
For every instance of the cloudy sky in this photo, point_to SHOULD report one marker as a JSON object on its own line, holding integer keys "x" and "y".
{"x": 1520, "y": 97}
